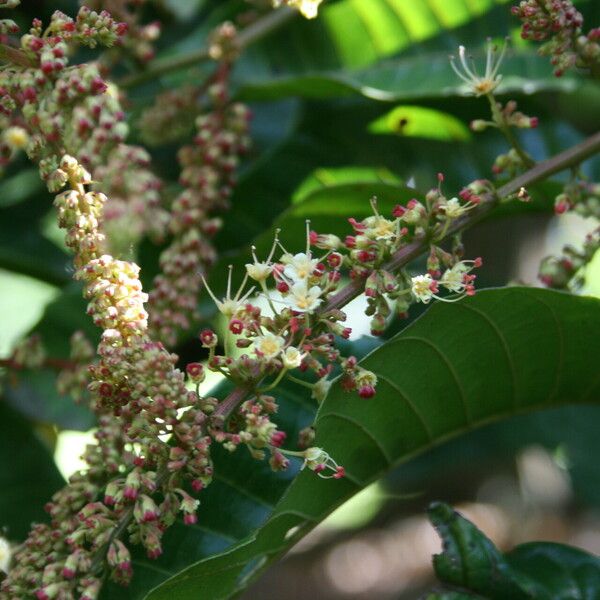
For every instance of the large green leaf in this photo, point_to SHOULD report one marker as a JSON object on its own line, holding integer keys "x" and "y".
{"x": 458, "y": 367}
{"x": 533, "y": 571}
{"x": 426, "y": 75}
{"x": 28, "y": 475}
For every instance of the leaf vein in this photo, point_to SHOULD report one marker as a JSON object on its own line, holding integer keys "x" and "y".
{"x": 451, "y": 369}
{"x": 410, "y": 403}
{"x": 561, "y": 355}
{"x": 360, "y": 426}
{"x": 504, "y": 345}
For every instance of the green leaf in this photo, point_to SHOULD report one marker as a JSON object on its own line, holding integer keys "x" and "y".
{"x": 560, "y": 572}
{"x": 470, "y": 560}
{"x": 19, "y": 187}
{"x": 23, "y": 247}
{"x": 456, "y": 368}
{"x": 355, "y": 33}
{"x": 427, "y": 75}
{"x": 418, "y": 121}
{"x": 28, "y": 475}
{"x": 532, "y": 571}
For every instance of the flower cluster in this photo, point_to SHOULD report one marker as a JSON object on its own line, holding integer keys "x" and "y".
{"x": 51, "y": 109}
{"x": 172, "y": 115}
{"x": 141, "y": 477}
{"x": 568, "y": 271}
{"x": 208, "y": 174}
{"x": 559, "y": 24}
{"x": 79, "y": 212}
{"x": 135, "y": 207}
{"x": 155, "y": 425}
{"x": 137, "y": 38}
{"x": 39, "y": 91}
{"x": 73, "y": 379}
{"x": 510, "y": 116}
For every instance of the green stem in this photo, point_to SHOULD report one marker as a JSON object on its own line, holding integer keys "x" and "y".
{"x": 508, "y": 133}
{"x": 301, "y": 382}
{"x": 274, "y": 383}
{"x": 253, "y": 33}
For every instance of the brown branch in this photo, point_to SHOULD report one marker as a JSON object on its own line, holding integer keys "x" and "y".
{"x": 15, "y": 56}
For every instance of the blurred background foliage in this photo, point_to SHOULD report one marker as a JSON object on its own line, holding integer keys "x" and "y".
{"x": 360, "y": 102}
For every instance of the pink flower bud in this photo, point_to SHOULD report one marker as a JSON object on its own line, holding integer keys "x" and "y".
{"x": 366, "y": 391}
{"x": 208, "y": 338}
{"x": 236, "y": 326}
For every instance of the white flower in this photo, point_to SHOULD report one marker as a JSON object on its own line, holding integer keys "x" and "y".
{"x": 422, "y": 288}
{"x": 299, "y": 267}
{"x": 260, "y": 271}
{"x": 309, "y": 8}
{"x": 453, "y": 279}
{"x": 321, "y": 463}
{"x": 269, "y": 345}
{"x": 480, "y": 85}
{"x": 453, "y": 208}
{"x": 301, "y": 298}
{"x": 229, "y": 306}
{"x": 292, "y": 358}
{"x": 380, "y": 228}
{"x": 321, "y": 389}
{"x": 4, "y": 555}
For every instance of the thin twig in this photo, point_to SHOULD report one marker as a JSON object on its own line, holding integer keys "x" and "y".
{"x": 253, "y": 33}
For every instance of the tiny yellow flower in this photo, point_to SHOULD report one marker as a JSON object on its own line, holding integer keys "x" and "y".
{"x": 16, "y": 138}
{"x": 269, "y": 345}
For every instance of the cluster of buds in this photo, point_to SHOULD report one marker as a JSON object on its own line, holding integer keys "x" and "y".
{"x": 135, "y": 207}
{"x": 89, "y": 28}
{"x": 510, "y": 117}
{"x": 79, "y": 211}
{"x": 172, "y": 115}
{"x": 137, "y": 38}
{"x": 29, "y": 353}
{"x": 558, "y": 24}
{"x": 74, "y": 378}
{"x": 581, "y": 196}
{"x": 51, "y": 110}
{"x": 308, "y": 8}
{"x": 138, "y": 395}
{"x": 568, "y": 271}
{"x": 116, "y": 299}
{"x": 208, "y": 167}
{"x": 378, "y": 238}
{"x": 222, "y": 43}
{"x": 509, "y": 163}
